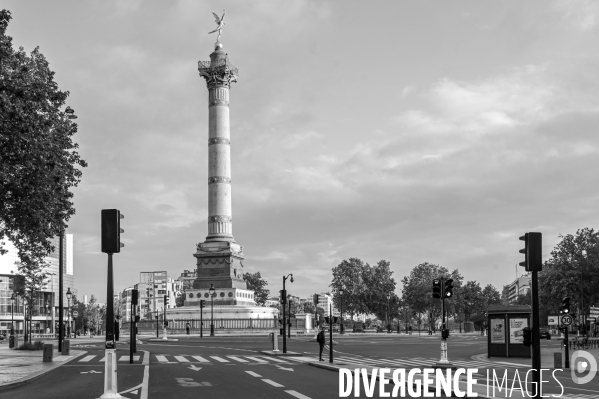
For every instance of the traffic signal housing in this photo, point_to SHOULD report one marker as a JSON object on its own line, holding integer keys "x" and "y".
{"x": 437, "y": 288}
{"x": 166, "y": 301}
{"x": 283, "y": 294}
{"x": 444, "y": 333}
{"x": 566, "y": 305}
{"x": 315, "y": 299}
{"x": 134, "y": 297}
{"x": 448, "y": 288}
{"x": 202, "y": 303}
{"x": 533, "y": 252}
{"x": 111, "y": 231}
{"x": 527, "y": 335}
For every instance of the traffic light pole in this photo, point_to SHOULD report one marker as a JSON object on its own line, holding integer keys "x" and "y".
{"x": 330, "y": 333}
{"x": 284, "y": 335}
{"x": 536, "y": 342}
{"x": 567, "y": 351}
{"x": 132, "y": 334}
{"x": 202, "y": 322}
{"x": 110, "y": 362}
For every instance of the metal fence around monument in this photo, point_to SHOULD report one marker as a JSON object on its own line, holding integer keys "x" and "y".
{"x": 176, "y": 326}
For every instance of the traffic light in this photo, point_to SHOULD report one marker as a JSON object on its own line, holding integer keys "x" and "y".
{"x": 566, "y": 305}
{"x": 527, "y": 334}
{"x": 134, "y": 297}
{"x": 202, "y": 303}
{"x": 326, "y": 320}
{"x": 448, "y": 288}
{"x": 166, "y": 301}
{"x": 166, "y": 323}
{"x": 445, "y": 333}
{"x": 437, "y": 289}
{"x": 533, "y": 252}
{"x": 111, "y": 231}
{"x": 137, "y": 318}
{"x": 315, "y": 299}
{"x": 283, "y": 298}
{"x": 335, "y": 319}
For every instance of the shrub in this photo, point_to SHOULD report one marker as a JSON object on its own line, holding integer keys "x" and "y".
{"x": 28, "y": 346}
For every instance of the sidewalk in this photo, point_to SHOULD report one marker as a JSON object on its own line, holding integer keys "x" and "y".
{"x": 18, "y": 367}
{"x": 546, "y": 358}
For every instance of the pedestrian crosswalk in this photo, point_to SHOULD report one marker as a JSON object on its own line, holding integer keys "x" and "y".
{"x": 426, "y": 362}
{"x": 89, "y": 358}
{"x": 254, "y": 359}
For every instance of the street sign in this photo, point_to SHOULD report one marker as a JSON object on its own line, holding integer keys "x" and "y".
{"x": 75, "y": 313}
{"x": 566, "y": 320}
{"x": 591, "y": 319}
{"x": 552, "y": 321}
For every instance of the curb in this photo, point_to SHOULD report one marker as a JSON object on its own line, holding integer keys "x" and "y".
{"x": 35, "y": 375}
{"x": 280, "y": 353}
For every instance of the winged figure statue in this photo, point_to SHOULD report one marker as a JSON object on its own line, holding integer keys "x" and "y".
{"x": 220, "y": 22}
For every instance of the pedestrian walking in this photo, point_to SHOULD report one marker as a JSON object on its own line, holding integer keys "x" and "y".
{"x": 320, "y": 338}
{"x": 410, "y": 328}
{"x": 187, "y": 328}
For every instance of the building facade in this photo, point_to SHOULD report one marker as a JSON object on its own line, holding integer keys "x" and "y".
{"x": 521, "y": 285}
{"x": 45, "y": 310}
{"x": 153, "y": 287}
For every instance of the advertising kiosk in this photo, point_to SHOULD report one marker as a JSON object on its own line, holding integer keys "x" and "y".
{"x": 505, "y": 324}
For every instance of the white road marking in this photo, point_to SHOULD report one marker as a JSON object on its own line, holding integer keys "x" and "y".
{"x": 271, "y": 382}
{"x": 161, "y": 359}
{"x": 220, "y": 359}
{"x": 238, "y": 359}
{"x": 273, "y": 359}
{"x": 87, "y": 358}
{"x": 181, "y": 359}
{"x": 201, "y": 359}
{"x": 297, "y": 395}
{"x": 254, "y": 374}
{"x": 207, "y": 384}
{"x": 256, "y": 359}
{"x": 62, "y": 358}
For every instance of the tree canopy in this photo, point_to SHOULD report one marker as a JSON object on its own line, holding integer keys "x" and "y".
{"x": 256, "y": 283}
{"x": 38, "y": 159}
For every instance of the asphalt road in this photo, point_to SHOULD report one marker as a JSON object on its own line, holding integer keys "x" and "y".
{"x": 235, "y": 367}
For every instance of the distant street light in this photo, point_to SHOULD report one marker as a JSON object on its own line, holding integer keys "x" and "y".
{"x": 69, "y": 295}
{"x": 283, "y": 297}
{"x": 388, "y": 325}
{"x": 341, "y": 327}
{"x": 212, "y": 293}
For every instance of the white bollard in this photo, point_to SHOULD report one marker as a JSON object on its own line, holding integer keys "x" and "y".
{"x": 164, "y": 334}
{"x": 110, "y": 375}
{"x": 275, "y": 342}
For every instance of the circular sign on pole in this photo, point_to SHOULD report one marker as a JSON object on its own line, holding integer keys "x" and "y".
{"x": 75, "y": 313}
{"x": 566, "y": 320}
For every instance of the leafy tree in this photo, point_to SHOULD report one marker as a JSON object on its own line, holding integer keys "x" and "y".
{"x": 182, "y": 296}
{"x": 574, "y": 263}
{"x": 417, "y": 291}
{"x": 379, "y": 283}
{"x": 258, "y": 284}
{"x": 38, "y": 160}
{"x": 349, "y": 276}
{"x": 524, "y": 299}
{"x": 308, "y": 307}
{"x": 32, "y": 279}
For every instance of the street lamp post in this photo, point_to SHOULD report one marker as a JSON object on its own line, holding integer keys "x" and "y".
{"x": 341, "y": 326}
{"x": 212, "y": 293}
{"x": 69, "y": 294}
{"x": 12, "y": 314}
{"x": 388, "y": 325}
{"x": 289, "y": 316}
{"x": 283, "y": 297}
{"x": 584, "y": 324}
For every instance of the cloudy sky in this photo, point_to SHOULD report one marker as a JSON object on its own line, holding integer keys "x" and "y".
{"x": 408, "y": 131}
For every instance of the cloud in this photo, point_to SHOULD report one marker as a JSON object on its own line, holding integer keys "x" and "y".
{"x": 582, "y": 14}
